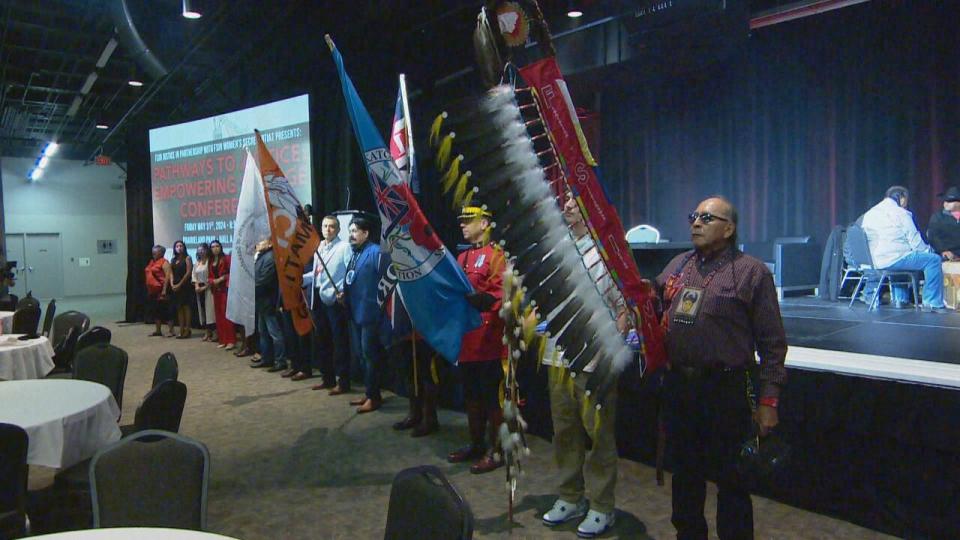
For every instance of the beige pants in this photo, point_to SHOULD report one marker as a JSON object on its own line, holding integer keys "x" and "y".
{"x": 951, "y": 284}
{"x": 575, "y": 421}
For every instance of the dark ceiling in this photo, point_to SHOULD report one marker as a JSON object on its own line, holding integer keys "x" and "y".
{"x": 239, "y": 53}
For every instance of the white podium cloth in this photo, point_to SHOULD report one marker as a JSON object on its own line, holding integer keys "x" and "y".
{"x": 21, "y": 360}
{"x": 67, "y": 420}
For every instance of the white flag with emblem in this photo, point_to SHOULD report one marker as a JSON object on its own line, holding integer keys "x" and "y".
{"x": 250, "y": 227}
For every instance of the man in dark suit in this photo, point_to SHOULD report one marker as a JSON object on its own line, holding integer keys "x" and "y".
{"x": 267, "y": 290}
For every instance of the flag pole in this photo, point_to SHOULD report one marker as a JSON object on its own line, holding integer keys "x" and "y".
{"x": 407, "y": 124}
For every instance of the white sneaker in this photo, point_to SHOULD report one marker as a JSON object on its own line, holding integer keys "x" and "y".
{"x": 564, "y": 511}
{"x": 595, "y": 524}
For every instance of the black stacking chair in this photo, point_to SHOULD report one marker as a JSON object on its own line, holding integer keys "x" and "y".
{"x": 97, "y": 334}
{"x": 64, "y": 352}
{"x": 423, "y": 504}
{"x": 13, "y": 481}
{"x": 28, "y": 301}
{"x": 105, "y": 364}
{"x": 162, "y": 408}
{"x": 166, "y": 369}
{"x": 151, "y": 479}
{"x": 66, "y": 320}
{"x": 860, "y": 251}
{"x": 48, "y": 317}
{"x": 26, "y": 319}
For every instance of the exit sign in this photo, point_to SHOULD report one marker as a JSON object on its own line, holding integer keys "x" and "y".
{"x": 103, "y": 160}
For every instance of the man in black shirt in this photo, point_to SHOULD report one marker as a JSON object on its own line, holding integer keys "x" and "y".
{"x": 944, "y": 229}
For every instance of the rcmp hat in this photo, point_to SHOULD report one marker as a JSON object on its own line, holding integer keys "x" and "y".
{"x": 952, "y": 194}
{"x": 472, "y": 212}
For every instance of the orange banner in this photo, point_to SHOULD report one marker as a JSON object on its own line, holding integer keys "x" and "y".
{"x": 294, "y": 238}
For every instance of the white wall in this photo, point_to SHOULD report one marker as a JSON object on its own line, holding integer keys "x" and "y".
{"x": 82, "y": 204}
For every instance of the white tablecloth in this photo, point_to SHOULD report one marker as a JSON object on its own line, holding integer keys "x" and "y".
{"x": 67, "y": 420}
{"x": 139, "y": 533}
{"x": 21, "y": 360}
{"x": 6, "y": 321}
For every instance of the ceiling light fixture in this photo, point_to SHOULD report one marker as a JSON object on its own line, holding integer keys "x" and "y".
{"x": 88, "y": 84}
{"x": 107, "y": 52}
{"x": 103, "y": 126}
{"x": 36, "y": 174}
{"x": 50, "y": 149}
{"x": 574, "y": 14}
{"x": 43, "y": 162}
{"x": 135, "y": 82}
{"x": 190, "y": 11}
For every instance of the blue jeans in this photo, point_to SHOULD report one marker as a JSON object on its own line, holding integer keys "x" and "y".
{"x": 932, "y": 276}
{"x": 272, "y": 347}
{"x": 365, "y": 346}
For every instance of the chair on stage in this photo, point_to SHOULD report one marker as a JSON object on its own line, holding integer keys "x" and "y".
{"x": 166, "y": 369}
{"x": 48, "y": 317}
{"x": 26, "y": 319}
{"x": 13, "y": 481}
{"x": 860, "y": 252}
{"x": 162, "y": 408}
{"x": 97, "y": 334}
{"x": 643, "y": 234}
{"x": 423, "y": 504}
{"x": 105, "y": 364}
{"x": 152, "y": 478}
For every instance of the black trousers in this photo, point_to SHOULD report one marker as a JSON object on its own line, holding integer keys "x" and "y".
{"x": 708, "y": 417}
{"x": 332, "y": 342}
{"x": 481, "y": 382}
{"x": 424, "y": 370}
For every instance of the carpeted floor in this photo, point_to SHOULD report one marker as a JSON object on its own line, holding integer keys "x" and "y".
{"x": 292, "y": 463}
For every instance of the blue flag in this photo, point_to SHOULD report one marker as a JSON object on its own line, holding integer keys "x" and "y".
{"x": 434, "y": 287}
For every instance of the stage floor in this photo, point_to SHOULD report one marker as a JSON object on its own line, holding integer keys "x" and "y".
{"x": 901, "y": 333}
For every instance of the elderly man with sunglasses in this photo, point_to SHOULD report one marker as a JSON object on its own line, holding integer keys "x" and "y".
{"x": 720, "y": 307}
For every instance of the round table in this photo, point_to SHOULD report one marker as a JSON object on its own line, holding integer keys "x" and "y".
{"x": 140, "y": 533}
{"x": 67, "y": 420}
{"x": 29, "y": 359}
{"x": 6, "y": 321}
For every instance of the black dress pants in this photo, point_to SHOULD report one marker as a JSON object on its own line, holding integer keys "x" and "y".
{"x": 708, "y": 418}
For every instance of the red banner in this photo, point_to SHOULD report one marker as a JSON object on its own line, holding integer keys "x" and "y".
{"x": 580, "y": 169}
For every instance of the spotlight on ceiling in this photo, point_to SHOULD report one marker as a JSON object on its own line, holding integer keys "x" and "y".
{"x": 574, "y": 14}
{"x": 190, "y": 11}
{"x": 136, "y": 82}
{"x": 36, "y": 174}
{"x": 103, "y": 126}
{"x": 43, "y": 162}
{"x": 50, "y": 149}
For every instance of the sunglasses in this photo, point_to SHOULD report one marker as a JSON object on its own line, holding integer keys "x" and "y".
{"x": 706, "y": 218}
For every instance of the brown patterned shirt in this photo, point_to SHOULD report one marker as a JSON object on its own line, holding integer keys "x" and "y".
{"x": 737, "y": 315}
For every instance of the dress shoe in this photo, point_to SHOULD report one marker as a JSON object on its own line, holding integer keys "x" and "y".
{"x": 324, "y": 386}
{"x": 406, "y": 423}
{"x": 424, "y": 428}
{"x": 486, "y": 464}
{"x": 466, "y": 453}
{"x": 337, "y": 390}
{"x": 243, "y": 352}
{"x": 260, "y": 364}
{"x": 288, "y": 373}
{"x": 360, "y": 401}
{"x": 369, "y": 406}
{"x": 300, "y": 376}
{"x": 276, "y": 368}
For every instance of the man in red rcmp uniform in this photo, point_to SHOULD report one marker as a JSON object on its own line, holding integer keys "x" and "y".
{"x": 482, "y": 349}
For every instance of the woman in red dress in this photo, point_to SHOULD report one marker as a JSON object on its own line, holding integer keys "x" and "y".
{"x": 158, "y": 276}
{"x": 219, "y": 275}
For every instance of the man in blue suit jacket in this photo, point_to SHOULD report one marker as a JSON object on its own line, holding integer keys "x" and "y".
{"x": 359, "y": 295}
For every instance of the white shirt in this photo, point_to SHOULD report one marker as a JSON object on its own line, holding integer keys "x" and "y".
{"x": 891, "y": 233}
{"x": 335, "y": 256}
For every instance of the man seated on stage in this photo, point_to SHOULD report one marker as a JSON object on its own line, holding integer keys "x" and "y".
{"x": 482, "y": 350}
{"x": 896, "y": 244}
{"x": 944, "y": 229}
{"x": 586, "y": 479}
{"x": 720, "y": 309}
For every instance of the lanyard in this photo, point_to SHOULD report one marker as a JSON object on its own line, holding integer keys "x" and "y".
{"x": 676, "y": 282}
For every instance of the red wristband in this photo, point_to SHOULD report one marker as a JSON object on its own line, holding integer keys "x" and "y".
{"x": 769, "y": 402}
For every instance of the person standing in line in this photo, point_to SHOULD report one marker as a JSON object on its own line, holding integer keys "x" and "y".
{"x": 204, "y": 294}
{"x": 720, "y": 313}
{"x": 333, "y": 341}
{"x": 219, "y": 271}
{"x": 158, "y": 280}
{"x": 181, "y": 270}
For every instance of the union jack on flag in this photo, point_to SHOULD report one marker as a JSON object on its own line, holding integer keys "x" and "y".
{"x": 392, "y": 204}
{"x": 400, "y": 147}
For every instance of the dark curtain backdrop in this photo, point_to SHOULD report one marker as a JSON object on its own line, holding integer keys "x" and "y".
{"x": 803, "y": 128}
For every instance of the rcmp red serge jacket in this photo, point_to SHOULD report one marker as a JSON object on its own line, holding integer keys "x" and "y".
{"x": 484, "y": 267}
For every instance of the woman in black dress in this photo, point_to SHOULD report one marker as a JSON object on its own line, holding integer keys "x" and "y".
{"x": 181, "y": 268}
